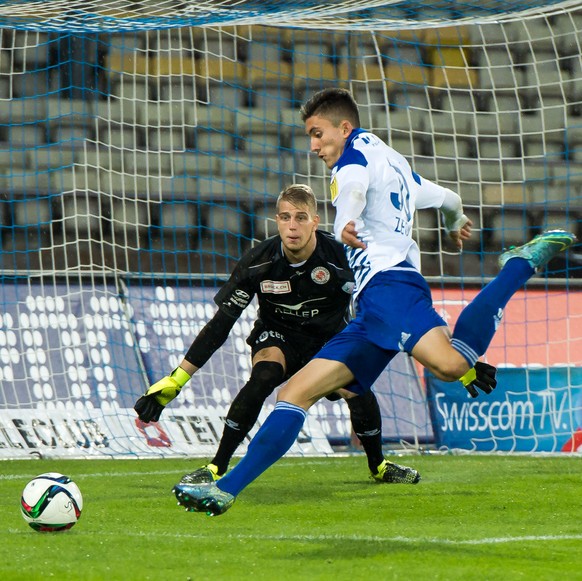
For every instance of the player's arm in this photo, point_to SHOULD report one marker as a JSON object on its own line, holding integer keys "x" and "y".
{"x": 350, "y": 185}
{"x": 150, "y": 405}
{"x": 231, "y": 300}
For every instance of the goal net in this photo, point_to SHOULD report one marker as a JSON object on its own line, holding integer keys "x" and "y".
{"x": 142, "y": 147}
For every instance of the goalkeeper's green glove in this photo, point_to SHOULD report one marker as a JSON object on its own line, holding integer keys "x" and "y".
{"x": 150, "y": 405}
{"x": 481, "y": 376}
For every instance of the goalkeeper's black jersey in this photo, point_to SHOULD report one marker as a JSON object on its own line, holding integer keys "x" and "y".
{"x": 309, "y": 302}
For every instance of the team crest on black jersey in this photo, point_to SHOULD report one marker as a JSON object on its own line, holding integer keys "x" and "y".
{"x": 320, "y": 275}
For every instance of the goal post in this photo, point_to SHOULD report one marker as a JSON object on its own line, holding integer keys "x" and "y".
{"x": 142, "y": 147}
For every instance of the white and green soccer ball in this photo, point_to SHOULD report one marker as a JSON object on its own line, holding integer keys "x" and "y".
{"x": 51, "y": 502}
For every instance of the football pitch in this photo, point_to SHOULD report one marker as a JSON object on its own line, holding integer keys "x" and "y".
{"x": 471, "y": 517}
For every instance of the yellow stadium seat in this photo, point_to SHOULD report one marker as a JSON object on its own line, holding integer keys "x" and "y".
{"x": 447, "y": 35}
{"x": 359, "y": 70}
{"x": 450, "y": 56}
{"x": 129, "y": 62}
{"x": 167, "y": 66}
{"x": 277, "y": 71}
{"x": 216, "y": 69}
{"x": 398, "y": 75}
{"x": 314, "y": 70}
{"x": 453, "y": 77}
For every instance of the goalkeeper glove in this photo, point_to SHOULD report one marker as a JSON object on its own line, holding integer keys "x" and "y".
{"x": 481, "y": 376}
{"x": 150, "y": 406}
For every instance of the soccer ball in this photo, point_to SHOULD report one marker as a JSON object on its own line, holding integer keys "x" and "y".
{"x": 51, "y": 502}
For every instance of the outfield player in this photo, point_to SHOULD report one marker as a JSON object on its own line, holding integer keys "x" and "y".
{"x": 304, "y": 285}
{"x": 375, "y": 193}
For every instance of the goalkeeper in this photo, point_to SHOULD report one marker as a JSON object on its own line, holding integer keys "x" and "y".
{"x": 304, "y": 285}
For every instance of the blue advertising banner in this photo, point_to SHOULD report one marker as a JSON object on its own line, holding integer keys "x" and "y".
{"x": 532, "y": 410}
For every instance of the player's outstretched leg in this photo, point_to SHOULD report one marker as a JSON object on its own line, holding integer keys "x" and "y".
{"x": 395, "y": 474}
{"x": 541, "y": 249}
{"x": 479, "y": 320}
{"x": 205, "y": 497}
{"x": 203, "y": 475}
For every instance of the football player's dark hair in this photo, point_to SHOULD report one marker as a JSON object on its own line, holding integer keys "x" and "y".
{"x": 299, "y": 195}
{"x": 334, "y": 104}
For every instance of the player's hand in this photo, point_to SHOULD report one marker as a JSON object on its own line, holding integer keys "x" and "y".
{"x": 150, "y": 406}
{"x": 462, "y": 232}
{"x": 482, "y": 376}
{"x": 350, "y": 236}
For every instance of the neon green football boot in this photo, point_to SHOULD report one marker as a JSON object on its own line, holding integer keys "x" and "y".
{"x": 204, "y": 475}
{"x": 395, "y": 474}
{"x": 541, "y": 249}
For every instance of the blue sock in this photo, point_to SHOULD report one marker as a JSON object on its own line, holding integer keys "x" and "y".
{"x": 481, "y": 317}
{"x": 270, "y": 443}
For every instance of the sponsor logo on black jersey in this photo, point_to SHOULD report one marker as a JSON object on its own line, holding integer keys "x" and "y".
{"x": 266, "y": 334}
{"x": 301, "y": 310}
{"x": 240, "y": 298}
{"x": 276, "y": 287}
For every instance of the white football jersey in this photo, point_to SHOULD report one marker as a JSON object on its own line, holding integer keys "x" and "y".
{"x": 375, "y": 186}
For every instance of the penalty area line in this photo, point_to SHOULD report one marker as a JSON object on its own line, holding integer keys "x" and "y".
{"x": 327, "y": 538}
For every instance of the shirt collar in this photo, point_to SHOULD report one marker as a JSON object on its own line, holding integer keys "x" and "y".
{"x": 355, "y": 132}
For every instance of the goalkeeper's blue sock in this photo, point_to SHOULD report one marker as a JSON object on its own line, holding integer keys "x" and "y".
{"x": 481, "y": 317}
{"x": 271, "y": 442}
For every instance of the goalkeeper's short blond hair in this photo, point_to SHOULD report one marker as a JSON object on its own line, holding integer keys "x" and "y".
{"x": 299, "y": 195}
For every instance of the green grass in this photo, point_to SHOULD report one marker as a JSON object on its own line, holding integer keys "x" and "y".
{"x": 471, "y": 517}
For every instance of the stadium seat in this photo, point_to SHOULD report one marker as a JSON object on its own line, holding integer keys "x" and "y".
{"x": 114, "y": 109}
{"x": 530, "y": 171}
{"x": 122, "y": 62}
{"x": 501, "y": 147}
{"x": 447, "y": 36}
{"x": 177, "y": 88}
{"x": 171, "y": 187}
{"x": 23, "y": 181}
{"x": 131, "y": 89}
{"x": 171, "y": 65}
{"x": 32, "y": 211}
{"x": 504, "y": 193}
{"x": 14, "y": 159}
{"x": 259, "y": 129}
{"x": 53, "y": 156}
{"x": 190, "y": 163}
{"x": 130, "y": 221}
{"x": 544, "y": 78}
{"x": 168, "y": 139}
{"x": 74, "y": 134}
{"x": 123, "y": 183}
{"x": 160, "y": 114}
{"x": 453, "y": 77}
{"x": 81, "y": 215}
{"x": 78, "y": 178}
{"x": 30, "y": 135}
{"x": 119, "y": 136}
{"x": 148, "y": 162}
{"x": 452, "y": 146}
{"x": 480, "y": 171}
{"x": 100, "y": 158}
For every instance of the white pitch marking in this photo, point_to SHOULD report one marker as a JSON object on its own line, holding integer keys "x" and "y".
{"x": 327, "y": 538}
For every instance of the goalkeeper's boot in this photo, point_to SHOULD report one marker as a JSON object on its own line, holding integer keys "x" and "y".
{"x": 204, "y": 475}
{"x": 396, "y": 474}
{"x": 541, "y": 249}
{"x": 206, "y": 498}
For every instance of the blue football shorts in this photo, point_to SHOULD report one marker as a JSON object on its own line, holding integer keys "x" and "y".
{"x": 394, "y": 311}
